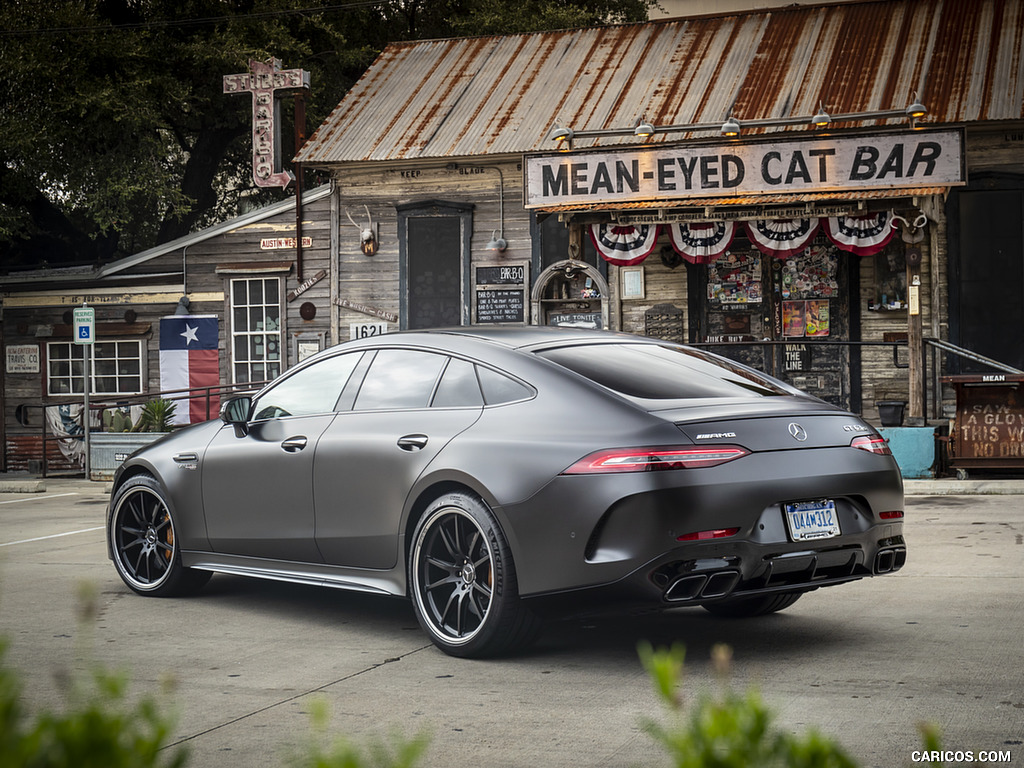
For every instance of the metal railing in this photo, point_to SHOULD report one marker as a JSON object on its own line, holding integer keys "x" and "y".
{"x": 931, "y": 385}
{"x": 208, "y": 395}
{"x": 931, "y": 365}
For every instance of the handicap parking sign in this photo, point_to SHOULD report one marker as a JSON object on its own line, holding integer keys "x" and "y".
{"x": 85, "y": 325}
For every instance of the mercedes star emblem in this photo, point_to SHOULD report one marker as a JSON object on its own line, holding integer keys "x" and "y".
{"x": 798, "y": 432}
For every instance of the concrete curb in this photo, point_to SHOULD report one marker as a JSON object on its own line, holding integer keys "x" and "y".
{"x": 948, "y": 487}
{"x": 23, "y": 485}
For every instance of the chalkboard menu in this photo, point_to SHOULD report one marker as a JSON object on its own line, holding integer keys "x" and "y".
{"x": 501, "y": 291}
{"x": 500, "y": 305}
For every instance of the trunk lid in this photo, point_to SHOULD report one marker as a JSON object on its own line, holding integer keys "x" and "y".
{"x": 767, "y": 424}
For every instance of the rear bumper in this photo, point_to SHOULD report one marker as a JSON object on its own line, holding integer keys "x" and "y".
{"x": 618, "y": 535}
{"x": 691, "y": 577}
{"x": 753, "y": 573}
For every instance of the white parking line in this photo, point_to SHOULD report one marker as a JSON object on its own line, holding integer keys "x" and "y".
{"x": 54, "y": 536}
{"x": 39, "y": 498}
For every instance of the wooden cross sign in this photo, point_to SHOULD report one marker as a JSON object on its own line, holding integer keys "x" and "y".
{"x": 266, "y": 81}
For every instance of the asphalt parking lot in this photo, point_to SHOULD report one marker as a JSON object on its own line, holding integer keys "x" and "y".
{"x": 938, "y": 642}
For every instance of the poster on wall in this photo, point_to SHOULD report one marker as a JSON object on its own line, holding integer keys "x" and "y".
{"x": 817, "y": 318}
{"x": 793, "y": 319}
{"x": 805, "y": 318}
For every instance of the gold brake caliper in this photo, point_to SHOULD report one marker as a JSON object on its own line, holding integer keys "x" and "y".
{"x": 170, "y": 537}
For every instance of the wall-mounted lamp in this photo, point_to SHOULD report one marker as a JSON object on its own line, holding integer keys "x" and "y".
{"x": 821, "y": 120}
{"x": 562, "y": 136}
{"x": 643, "y": 129}
{"x": 497, "y": 244}
{"x": 915, "y": 110}
{"x": 731, "y": 127}
{"x": 183, "y": 306}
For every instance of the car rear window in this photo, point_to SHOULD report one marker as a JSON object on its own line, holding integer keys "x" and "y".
{"x": 656, "y": 372}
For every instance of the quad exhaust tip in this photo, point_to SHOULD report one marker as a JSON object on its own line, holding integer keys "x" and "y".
{"x": 890, "y": 560}
{"x": 702, "y": 586}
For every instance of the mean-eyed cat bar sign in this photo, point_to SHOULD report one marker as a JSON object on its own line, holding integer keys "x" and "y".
{"x": 818, "y": 164}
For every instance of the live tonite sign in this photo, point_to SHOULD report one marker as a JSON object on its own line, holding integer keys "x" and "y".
{"x": 861, "y": 163}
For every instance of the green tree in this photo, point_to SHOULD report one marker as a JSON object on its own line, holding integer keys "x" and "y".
{"x": 115, "y": 134}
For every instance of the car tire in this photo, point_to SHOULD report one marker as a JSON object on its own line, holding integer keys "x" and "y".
{"x": 747, "y": 607}
{"x": 144, "y": 542}
{"x": 463, "y": 581}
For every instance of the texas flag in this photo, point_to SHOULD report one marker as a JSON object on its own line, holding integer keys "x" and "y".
{"x": 189, "y": 359}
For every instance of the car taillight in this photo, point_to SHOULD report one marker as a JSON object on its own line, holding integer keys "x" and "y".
{"x": 893, "y": 515}
{"x": 654, "y": 459}
{"x": 718, "y": 533}
{"x": 872, "y": 444}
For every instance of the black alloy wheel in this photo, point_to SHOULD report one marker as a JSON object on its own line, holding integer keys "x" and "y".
{"x": 144, "y": 543}
{"x": 463, "y": 581}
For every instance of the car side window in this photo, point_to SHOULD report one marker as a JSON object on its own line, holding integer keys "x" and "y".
{"x": 499, "y": 388}
{"x": 314, "y": 389}
{"x": 458, "y": 387}
{"x": 399, "y": 378}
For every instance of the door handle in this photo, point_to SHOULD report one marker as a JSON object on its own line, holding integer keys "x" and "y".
{"x": 412, "y": 442}
{"x": 294, "y": 444}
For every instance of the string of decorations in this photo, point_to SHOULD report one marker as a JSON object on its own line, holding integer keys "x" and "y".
{"x": 702, "y": 242}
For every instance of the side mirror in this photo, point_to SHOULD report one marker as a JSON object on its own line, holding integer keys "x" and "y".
{"x": 236, "y": 410}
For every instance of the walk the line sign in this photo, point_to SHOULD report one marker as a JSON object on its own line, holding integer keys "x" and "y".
{"x": 904, "y": 160}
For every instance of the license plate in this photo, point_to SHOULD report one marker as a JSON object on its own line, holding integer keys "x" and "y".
{"x": 810, "y": 520}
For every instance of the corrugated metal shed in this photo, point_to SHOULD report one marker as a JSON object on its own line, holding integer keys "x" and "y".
{"x": 502, "y": 95}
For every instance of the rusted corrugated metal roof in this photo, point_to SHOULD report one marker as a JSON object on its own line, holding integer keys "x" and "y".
{"x": 501, "y": 95}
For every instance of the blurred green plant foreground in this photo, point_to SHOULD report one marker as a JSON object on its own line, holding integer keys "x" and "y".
{"x": 103, "y": 728}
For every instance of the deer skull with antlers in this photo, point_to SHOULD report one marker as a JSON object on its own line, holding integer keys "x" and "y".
{"x": 368, "y": 240}
{"x": 912, "y": 232}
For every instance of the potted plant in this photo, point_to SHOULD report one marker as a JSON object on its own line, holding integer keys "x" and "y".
{"x": 156, "y": 416}
{"x": 122, "y": 438}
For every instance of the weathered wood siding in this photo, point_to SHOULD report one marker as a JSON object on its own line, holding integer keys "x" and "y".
{"x": 494, "y": 190}
{"x": 238, "y": 249}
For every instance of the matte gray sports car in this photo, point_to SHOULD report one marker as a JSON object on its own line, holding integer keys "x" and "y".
{"x": 491, "y": 473}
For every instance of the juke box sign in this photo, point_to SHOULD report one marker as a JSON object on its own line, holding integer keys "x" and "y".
{"x": 856, "y": 163}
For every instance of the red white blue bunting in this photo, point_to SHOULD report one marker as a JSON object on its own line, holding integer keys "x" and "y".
{"x": 863, "y": 235}
{"x": 624, "y": 245}
{"x": 702, "y": 242}
{"x": 782, "y": 238}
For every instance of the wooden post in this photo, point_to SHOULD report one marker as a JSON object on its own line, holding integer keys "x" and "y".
{"x": 915, "y": 338}
{"x": 575, "y": 241}
{"x": 300, "y": 139}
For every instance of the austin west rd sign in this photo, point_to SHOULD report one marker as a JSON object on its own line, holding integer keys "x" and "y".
{"x": 856, "y": 163}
